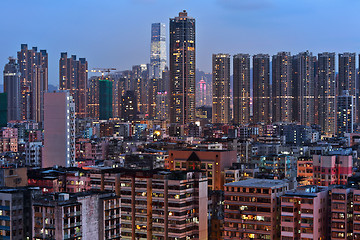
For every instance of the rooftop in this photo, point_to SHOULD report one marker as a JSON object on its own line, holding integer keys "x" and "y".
{"x": 257, "y": 182}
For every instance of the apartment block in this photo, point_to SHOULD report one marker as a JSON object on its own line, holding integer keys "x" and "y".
{"x": 163, "y": 205}
{"x": 334, "y": 168}
{"x": 212, "y": 162}
{"x": 89, "y": 215}
{"x": 304, "y": 213}
{"x": 252, "y": 209}
{"x": 342, "y": 213}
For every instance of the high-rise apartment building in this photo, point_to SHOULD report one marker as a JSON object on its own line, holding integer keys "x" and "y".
{"x": 345, "y": 113}
{"x": 163, "y": 205}
{"x": 158, "y": 56}
{"x": 128, "y": 106}
{"x": 73, "y": 77}
{"x": 12, "y": 88}
{"x": 261, "y": 88}
{"x": 59, "y": 130}
{"x": 282, "y": 88}
{"x": 347, "y": 78}
{"x": 327, "y": 92}
{"x": 33, "y": 66}
{"x": 182, "y": 69}
{"x": 221, "y": 88}
{"x": 241, "y": 92}
{"x": 303, "y": 68}
{"x": 93, "y": 98}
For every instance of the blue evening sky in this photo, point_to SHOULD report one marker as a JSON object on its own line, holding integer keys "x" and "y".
{"x": 116, "y": 33}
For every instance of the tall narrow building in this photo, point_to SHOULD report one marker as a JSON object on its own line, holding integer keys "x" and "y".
{"x": 345, "y": 113}
{"x": 182, "y": 69}
{"x": 303, "y": 68}
{"x": 261, "y": 88}
{"x": 12, "y": 88}
{"x": 157, "y": 50}
{"x": 221, "y": 88}
{"x": 73, "y": 77}
{"x": 347, "y": 77}
{"x": 327, "y": 92}
{"x": 59, "y": 130}
{"x": 241, "y": 82}
{"x": 33, "y": 66}
{"x": 282, "y": 88}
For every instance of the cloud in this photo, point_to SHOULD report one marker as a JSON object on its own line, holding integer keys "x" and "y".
{"x": 245, "y": 4}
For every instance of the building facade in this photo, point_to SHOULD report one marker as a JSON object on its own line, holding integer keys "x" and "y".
{"x": 33, "y": 66}
{"x": 221, "y": 88}
{"x": 241, "y": 83}
{"x": 12, "y": 88}
{"x": 73, "y": 77}
{"x": 327, "y": 93}
{"x": 158, "y": 56}
{"x": 261, "y": 89}
{"x": 59, "y": 130}
{"x": 282, "y": 88}
{"x": 182, "y": 69}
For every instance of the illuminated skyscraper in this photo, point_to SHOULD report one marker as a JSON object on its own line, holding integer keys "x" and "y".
{"x": 202, "y": 88}
{"x": 182, "y": 69}
{"x": 221, "y": 88}
{"x": 241, "y": 88}
{"x": 13, "y": 90}
{"x": 93, "y": 98}
{"x": 327, "y": 92}
{"x": 345, "y": 113}
{"x": 347, "y": 77}
{"x": 303, "y": 67}
{"x": 33, "y": 66}
{"x": 261, "y": 88}
{"x": 282, "y": 88}
{"x": 158, "y": 50}
{"x": 73, "y": 77}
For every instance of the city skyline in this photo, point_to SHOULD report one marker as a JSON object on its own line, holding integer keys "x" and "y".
{"x": 256, "y": 20}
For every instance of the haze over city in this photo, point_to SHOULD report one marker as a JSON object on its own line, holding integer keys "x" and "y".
{"x": 117, "y": 33}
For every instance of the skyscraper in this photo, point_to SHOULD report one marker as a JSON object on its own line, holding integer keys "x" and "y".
{"x": 182, "y": 69}
{"x": 73, "y": 77}
{"x": 221, "y": 88}
{"x": 158, "y": 50}
{"x": 326, "y": 92}
{"x": 345, "y": 113}
{"x": 33, "y": 66}
{"x": 59, "y": 130}
{"x": 13, "y": 89}
{"x": 93, "y": 98}
{"x": 303, "y": 68}
{"x": 261, "y": 88}
{"x": 282, "y": 88}
{"x": 347, "y": 77}
{"x": 202, "y": 91}
{"x": 241, "y": 92}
